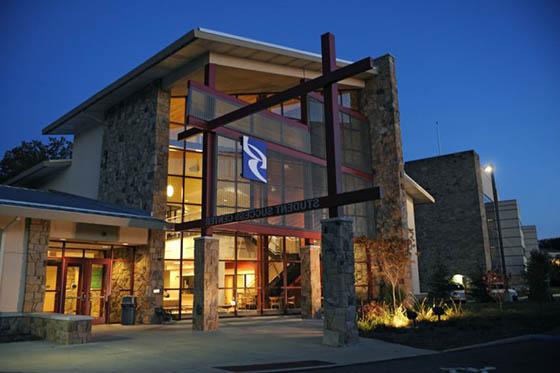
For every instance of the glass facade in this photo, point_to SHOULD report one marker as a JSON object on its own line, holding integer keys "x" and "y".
{"x": 258, "y": 273}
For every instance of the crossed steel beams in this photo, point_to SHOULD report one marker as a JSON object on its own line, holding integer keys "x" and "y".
{"x": 328, "y": 83}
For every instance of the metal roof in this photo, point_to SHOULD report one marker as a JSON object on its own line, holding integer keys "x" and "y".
{"x": 192, "y": 45}
{"x": 418, "y": 194}
{"x": 40, "y": 171}
{"x": 57, "y": 201}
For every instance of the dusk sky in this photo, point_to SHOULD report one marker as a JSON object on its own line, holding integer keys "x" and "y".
{"x": 487, "y": 71}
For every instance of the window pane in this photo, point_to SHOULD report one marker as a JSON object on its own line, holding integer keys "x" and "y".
{"x": 243, "y": 195}
{"x": 171, "y": 274}
{"x": 226, "y": 194}
{"x": 175, "y": 162}
{"x": 174, "y": 189}
{"x": 171, "y": 299}
{"x": 173, "y": 213}
{"x": 275, "y": 247}
{"x": 193, "y": 165}
{"x": 292, "y": 248}
{"x": 292, "y": 109}
{"x": 73, "y": 253}
{"x": 177, "y": 109}
{"x": 193, "y": 190}
{"x": 247, "y": 247}
{"x": 227, "y": 247}
{"x": 192, "y": 212}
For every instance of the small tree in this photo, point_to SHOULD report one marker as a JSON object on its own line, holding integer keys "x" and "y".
{"x": 391, "y": 259}
{"x": 538, "y": 276}
{"x": 439, "y": 282}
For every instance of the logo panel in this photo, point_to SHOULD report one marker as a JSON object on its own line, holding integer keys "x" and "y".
{"x": 254, "y": 159}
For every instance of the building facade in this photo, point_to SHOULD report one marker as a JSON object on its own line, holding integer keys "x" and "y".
{"x": 453, "y": 231}
{"x": 126, "y": 154}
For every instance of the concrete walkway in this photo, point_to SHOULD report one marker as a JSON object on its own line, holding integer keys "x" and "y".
{"x": 176, "y": 348}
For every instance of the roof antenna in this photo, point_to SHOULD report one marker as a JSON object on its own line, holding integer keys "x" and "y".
{"x": 438, "y": 139}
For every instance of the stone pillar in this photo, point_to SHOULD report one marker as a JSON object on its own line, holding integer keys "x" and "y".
{"x": 380, "y": 104}
{"x": 148, "y": 275}
{"x": 37, "y": 244}
{"x": 339, "y": 292}
{"x": 205, "y": 307}
{"x": 311, "y": 282}
{"x": 133, "y": 173}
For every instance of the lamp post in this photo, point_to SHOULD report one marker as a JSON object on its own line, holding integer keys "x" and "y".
{"x": 490, "y": 170}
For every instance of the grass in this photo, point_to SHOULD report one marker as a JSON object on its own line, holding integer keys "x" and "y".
{"x": 474, "y": 323}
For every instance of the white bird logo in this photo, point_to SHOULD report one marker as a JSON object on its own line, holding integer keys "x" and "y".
{"x": 257, "y": 161}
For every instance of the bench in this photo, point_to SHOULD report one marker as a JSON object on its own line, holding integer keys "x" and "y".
{"x": 53, "y": 327}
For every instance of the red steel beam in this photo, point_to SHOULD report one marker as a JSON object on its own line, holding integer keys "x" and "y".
{"x": 333, "y": 142}
{"x": 209, "y": 145}
{"x": 296, "y": 91}
{"x": 346, "y": 198}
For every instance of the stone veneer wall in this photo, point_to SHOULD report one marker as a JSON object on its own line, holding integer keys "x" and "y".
{"x": 134, "y": 174}
{"x": 121, "y": 281}
{"x": 453, "y": 230}
{"x": 148, "y": 275}
{"x": 37, "y": 244}
{"x": 379, "y": 103}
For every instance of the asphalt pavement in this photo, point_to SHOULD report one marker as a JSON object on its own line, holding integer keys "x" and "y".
{"x": 539, "y": 354}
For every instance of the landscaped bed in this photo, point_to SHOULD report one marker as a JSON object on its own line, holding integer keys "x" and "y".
{"x": 473, "y": 323}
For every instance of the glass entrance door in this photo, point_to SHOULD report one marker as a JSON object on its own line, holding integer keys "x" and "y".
{"x": 86, "y": 287}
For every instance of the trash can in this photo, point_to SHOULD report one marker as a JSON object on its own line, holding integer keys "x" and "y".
{"x": 128, "y": 310}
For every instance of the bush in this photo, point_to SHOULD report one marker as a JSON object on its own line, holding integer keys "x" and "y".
{"x": 439, "y": 282}
{"x": 538, "y": 276}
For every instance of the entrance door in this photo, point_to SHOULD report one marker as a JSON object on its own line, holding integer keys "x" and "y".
{"x": 86, "y": 287}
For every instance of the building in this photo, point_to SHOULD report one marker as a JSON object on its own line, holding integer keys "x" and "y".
{"x": 517, "y": 246}
{"x": 453, "y": 231}
{"x": 74, "y": 253}
{"x": 530, "y": 238}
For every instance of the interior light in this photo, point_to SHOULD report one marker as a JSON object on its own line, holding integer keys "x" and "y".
{"x": 170, "y": 190}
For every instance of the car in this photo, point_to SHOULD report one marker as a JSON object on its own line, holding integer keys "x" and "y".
{"x": 498, "y": 290}
{"x": 457, "y": 292}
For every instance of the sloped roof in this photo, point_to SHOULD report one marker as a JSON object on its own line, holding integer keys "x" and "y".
{"x": 187, "y": 48}
{"x": 30, "y": 202}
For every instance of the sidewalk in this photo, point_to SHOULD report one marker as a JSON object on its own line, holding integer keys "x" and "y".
{"x": 176, "y": 348}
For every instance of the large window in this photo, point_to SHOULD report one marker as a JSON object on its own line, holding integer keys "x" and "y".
{"x": 256, "y": 274}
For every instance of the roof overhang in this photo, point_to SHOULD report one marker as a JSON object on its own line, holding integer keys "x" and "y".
{"x": 413, "y": 189}
{"x": 39, "y": 171}
{"x": 78, "y": 216}
{"x": 191, "y": 47}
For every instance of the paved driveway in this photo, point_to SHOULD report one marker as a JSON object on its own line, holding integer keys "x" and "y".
{"x": 176, "y": 348}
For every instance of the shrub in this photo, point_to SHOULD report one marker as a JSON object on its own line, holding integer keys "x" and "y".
{"x": 538, "y": 276}
{"x": 439, "y": 282}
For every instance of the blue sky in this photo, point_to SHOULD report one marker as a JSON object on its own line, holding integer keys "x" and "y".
{"x": 488, "y": 71}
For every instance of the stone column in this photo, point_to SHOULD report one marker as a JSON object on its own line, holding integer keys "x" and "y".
{"x": 148, "y": 275}
{"x": 339, "y": 292}
{"x": 380, "y": 104}
{"x": 205, "y": 307}
{"x": 37, "y": 243}
{"x": 311, "y": 282}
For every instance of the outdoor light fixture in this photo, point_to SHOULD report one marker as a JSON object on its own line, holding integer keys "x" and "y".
{"x": 170, "y": 191}
{"x": 488, "y": 169}
{"x": 438, "y": 311}
{"x": 412, "y": 315}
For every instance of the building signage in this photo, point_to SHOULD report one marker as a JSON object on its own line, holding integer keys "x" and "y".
{"x": 295, "y": 207}
{"x": 254, "y": 159}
